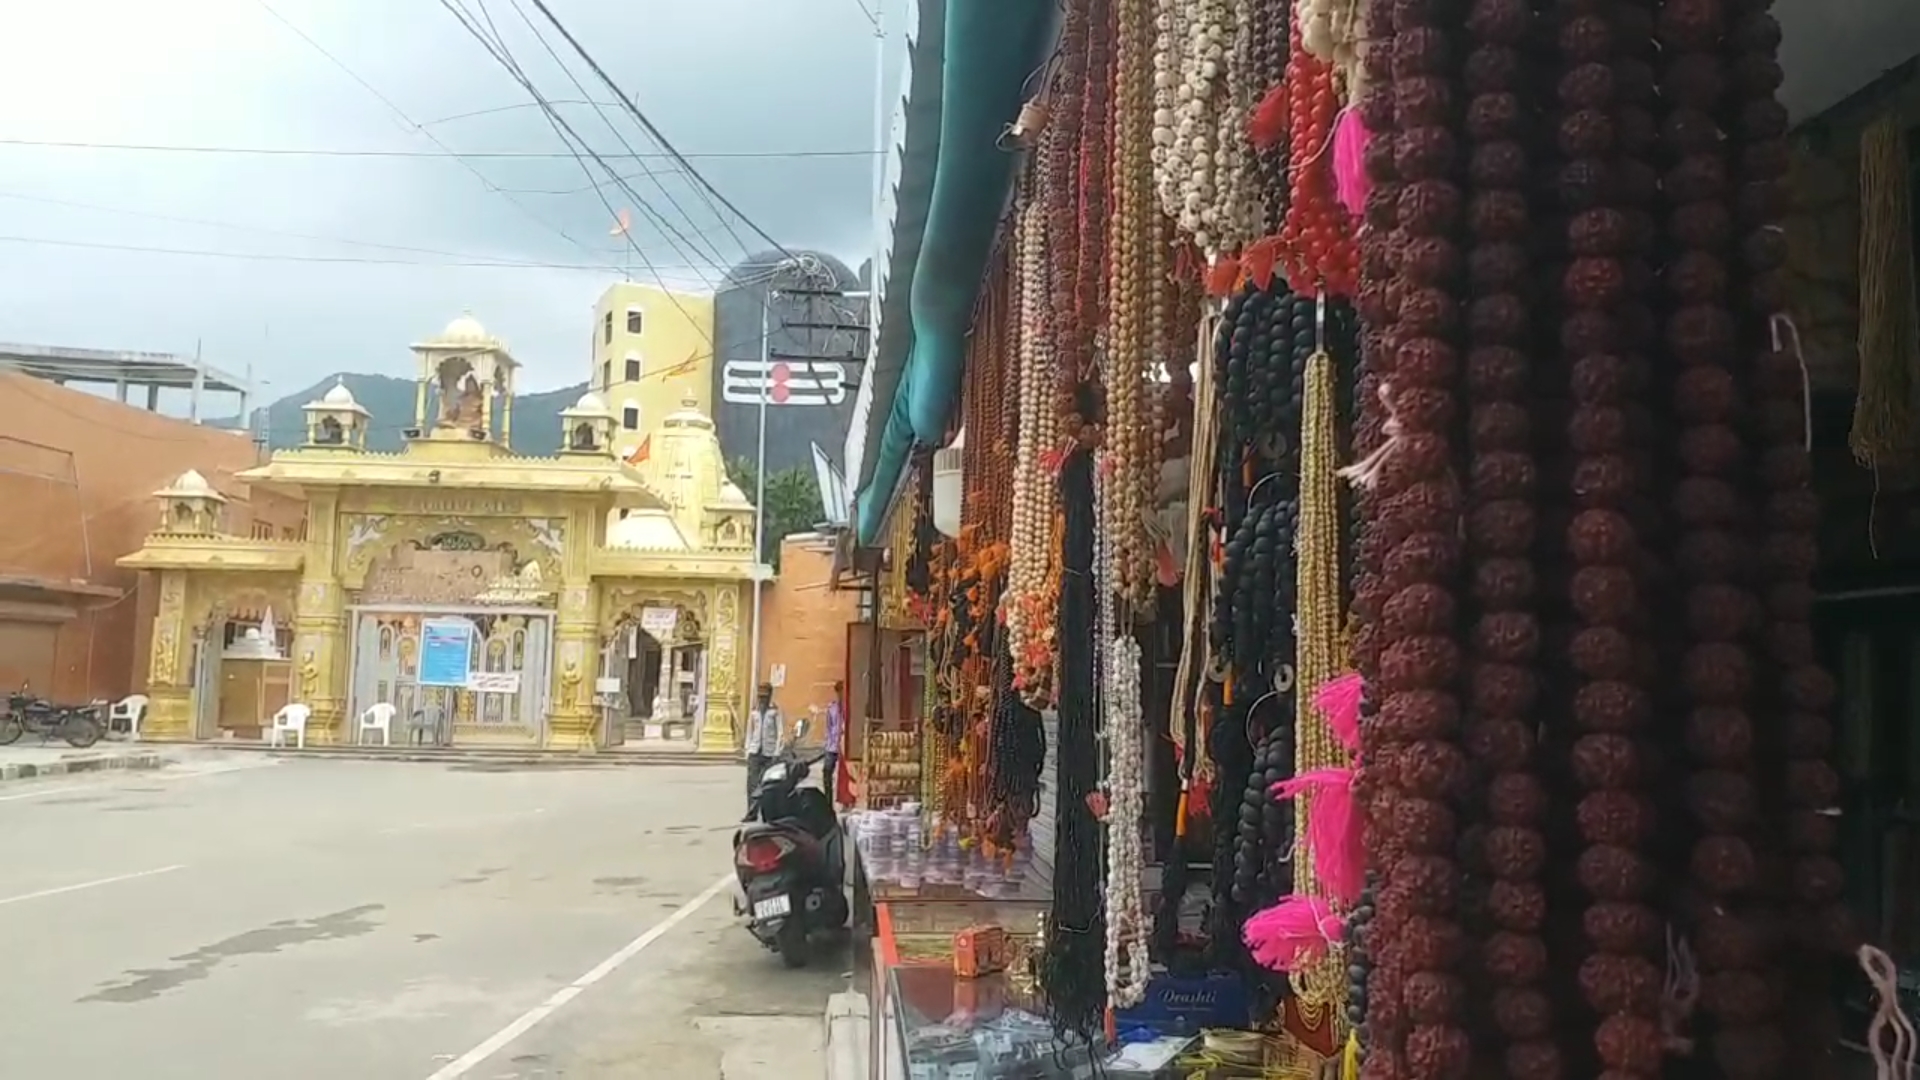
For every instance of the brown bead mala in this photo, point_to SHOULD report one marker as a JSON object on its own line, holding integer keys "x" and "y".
{"x": 1797, "y": 735}
{"x": 1713, "y": 516}
{"x": 1504, "y": 638}
{"x": 1414, "y": 527}
{"x": 1384, "y": 1020}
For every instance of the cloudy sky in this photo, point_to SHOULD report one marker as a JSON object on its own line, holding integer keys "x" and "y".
{"x": 326, "y": 285}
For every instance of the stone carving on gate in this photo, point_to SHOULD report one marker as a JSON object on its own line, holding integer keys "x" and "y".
{"x": 723, "y": 684}
{"x": 622, "y": 604}
{"x": 372, "y": 539}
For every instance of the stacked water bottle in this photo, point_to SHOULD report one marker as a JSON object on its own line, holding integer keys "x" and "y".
{"x": 898, "y": 848}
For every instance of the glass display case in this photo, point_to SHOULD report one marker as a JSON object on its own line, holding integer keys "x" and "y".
{"x": 944, "y": 1027}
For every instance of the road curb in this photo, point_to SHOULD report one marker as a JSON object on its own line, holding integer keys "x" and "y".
{"x": 29, "y": 770}
{"x": 848, "y": 1031}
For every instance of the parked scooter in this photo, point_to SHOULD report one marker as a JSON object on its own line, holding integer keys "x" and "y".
{"x": 790, "y": 858}
{"x": 81, "y": 726}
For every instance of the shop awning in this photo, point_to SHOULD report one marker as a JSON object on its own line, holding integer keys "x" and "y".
{"x": 991, "y": 53}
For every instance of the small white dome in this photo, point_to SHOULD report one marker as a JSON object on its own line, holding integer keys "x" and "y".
{"x": 590, "y": 402}
{"x": 730, "y": 494}
{"x": 339, "y": 395}
{"x": 466, "y": 329}
{"x": 191, "y": 485}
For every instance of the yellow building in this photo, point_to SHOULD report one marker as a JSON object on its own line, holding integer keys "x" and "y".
{"x": 652, "y": 350}
{"x": 489, "y": 598}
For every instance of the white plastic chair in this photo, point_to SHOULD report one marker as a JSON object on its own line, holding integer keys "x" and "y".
{"x": 290, "y": 718}
{"x": 132, "y": 709}
{"x": 377, "y": 717}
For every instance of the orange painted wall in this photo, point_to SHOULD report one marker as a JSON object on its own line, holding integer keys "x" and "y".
{"x": 805, "y": 626}
{"x": 77, "y": 476}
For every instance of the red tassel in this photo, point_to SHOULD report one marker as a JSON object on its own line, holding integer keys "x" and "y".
{"x": 1223, "y": 276}
{"x": 1268, "y": 124}
{"x": 1258, "y": 261}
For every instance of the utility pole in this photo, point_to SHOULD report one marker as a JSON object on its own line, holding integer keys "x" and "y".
{"x": 760, "y": 482}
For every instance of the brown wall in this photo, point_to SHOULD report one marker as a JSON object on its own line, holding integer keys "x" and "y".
{"x": 805, "y": 626}
{"x": 77, "y": 477}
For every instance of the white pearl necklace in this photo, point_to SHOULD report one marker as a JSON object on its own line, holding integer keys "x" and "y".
{"x": 1028, "y": 548}
{"x": 1333, "y": 30}
{"x": 1128, "y": 966}
{"x": 1201, "y": 50}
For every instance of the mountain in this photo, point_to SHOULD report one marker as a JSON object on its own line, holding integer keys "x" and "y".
{"x": 536, "y": 417}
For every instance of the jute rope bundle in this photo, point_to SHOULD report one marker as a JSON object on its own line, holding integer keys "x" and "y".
{"x": 1884, "y": 429}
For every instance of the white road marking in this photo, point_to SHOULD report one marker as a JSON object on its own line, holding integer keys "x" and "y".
{"x": 109, "y": 777}
{"x": 533, "y": 1017}
{"x": 117, "y": 878}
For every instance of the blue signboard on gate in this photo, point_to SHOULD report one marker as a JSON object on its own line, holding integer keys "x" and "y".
{"x": 446, "y": 652}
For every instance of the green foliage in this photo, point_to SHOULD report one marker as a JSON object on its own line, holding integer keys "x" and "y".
{"x": 793, "y": 503}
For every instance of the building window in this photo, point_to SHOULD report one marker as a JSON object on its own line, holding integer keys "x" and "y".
{"x": 630, "y": 418}
{"x": 606, "y": 375}
{"x": 607, "y": 328}
{"x": 633, "y": 369}
{"x": 635, "y": 320}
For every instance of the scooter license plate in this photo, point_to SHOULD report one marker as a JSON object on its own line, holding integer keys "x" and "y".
{"x": 772, "y": 907}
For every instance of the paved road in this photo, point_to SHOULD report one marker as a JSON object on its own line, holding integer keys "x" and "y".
{"x": 237, "y": 917}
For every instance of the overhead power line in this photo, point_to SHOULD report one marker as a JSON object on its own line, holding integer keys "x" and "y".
{"x": 575, "y": 143}
{"x": 659, "y": 139}
{"x": 482, "y": 155}
{"x": 495, "y": 44}
{"x": 462, "y": 257}
{"x": 611, "y": 127}
{"x": 763, "y": 274}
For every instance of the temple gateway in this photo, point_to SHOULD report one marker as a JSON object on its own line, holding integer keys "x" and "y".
{"x": 490, "y": 598}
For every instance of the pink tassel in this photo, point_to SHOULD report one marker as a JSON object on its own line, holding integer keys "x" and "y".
{"x": 1349, "y": 168}
{"x": 1293, "y": 933}
{"x": 1339, "y": 702}
{"x": 1333, "y": 830}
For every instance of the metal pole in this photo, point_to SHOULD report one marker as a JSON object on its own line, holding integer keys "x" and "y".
{"x": 199, "y": 383}
{"x": 760, "y": 487}
{"x": 879, "y": 178}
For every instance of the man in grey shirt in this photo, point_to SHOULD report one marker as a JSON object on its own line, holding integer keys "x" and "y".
{"x": 766, "y": 737}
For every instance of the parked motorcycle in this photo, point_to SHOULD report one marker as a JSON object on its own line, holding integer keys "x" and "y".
{"x": 81, "y": 726}
{"x": 790, "y": 858}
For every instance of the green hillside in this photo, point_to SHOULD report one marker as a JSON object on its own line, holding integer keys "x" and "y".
{"x": 536, "y": 417}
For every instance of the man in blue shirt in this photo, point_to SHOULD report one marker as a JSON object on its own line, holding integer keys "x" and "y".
{"x": 836, "y": 731}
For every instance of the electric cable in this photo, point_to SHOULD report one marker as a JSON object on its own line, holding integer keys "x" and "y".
{"x": 482, "y": 155}
{"x": 701, "y": 183}
{"x": 611, "y": 127}
{"x": 554, "y": 120}
{"x": 430, "y": 136}
{"x": 569, "y": 137}
{"x": 462, "y": 257}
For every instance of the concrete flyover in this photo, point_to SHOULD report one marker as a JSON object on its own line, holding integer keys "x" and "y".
{"x": 240, "y": 915}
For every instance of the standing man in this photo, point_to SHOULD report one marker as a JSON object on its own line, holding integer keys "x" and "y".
{"x": 836, "y": 731}
{"x": 765, "y": 736}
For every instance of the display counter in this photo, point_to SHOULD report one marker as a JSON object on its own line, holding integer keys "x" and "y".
{"x": 940, "y": 1026}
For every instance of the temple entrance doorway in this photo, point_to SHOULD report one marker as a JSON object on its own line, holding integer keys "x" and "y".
{"x": 657, "y": 656}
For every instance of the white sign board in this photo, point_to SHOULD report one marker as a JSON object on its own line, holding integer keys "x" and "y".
{"x": 783, "y": 382}
{"x": 494, "y": 682}
{"x": 778, "y": 676}
{"x": 659, "y": 622}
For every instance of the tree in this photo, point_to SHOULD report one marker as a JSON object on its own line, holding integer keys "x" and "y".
{"x": 793, "y": 503}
